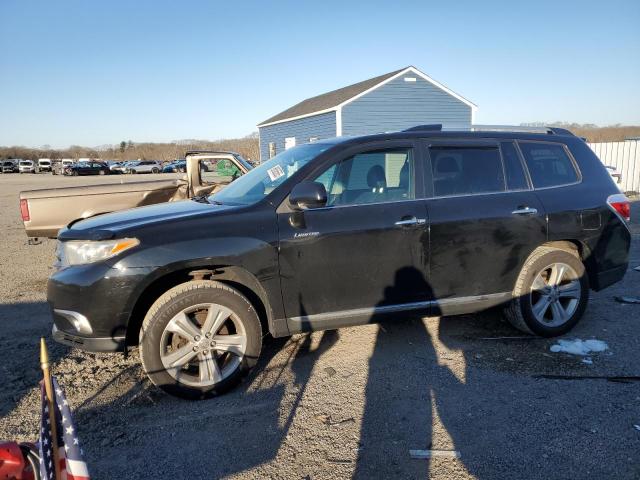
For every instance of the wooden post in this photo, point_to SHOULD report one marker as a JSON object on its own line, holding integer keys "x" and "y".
{"x": 48, "y": 388}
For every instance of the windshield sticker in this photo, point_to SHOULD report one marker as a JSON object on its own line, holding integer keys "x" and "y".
{"x": 275, "y": 173}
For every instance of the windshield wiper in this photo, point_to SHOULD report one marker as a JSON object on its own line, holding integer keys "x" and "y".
{"x": 206, "y": 199}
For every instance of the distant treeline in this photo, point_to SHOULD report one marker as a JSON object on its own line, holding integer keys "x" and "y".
{"x": 128, "y": 150}
{"x": 248, "y": 146}
{"x": 594, "y": 133}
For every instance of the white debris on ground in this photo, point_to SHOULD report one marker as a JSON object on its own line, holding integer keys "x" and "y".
{"x": 579, "y": 347}
{"x": 423, "y": 454}
{"x": 587, "y": 361}
{"x": 637, "y": 427}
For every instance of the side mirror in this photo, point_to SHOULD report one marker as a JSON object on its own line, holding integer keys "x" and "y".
{"x": 307, "y": 195}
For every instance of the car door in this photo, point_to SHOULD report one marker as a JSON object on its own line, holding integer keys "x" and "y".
{"x": 366, "y": 249}
{"x": 484, "y": 218}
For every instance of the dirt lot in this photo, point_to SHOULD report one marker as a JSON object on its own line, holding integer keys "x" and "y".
{"x": 338, "y": 404}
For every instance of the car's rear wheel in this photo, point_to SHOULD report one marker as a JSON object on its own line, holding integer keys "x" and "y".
{"x": 155, "y": 170}
{"x": 199, "y": 339}
{"x": 551, "y": 293}
{"x": 74, "y": 173}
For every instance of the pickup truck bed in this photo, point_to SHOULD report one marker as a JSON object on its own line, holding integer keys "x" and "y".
{"x": 53, "y": 208}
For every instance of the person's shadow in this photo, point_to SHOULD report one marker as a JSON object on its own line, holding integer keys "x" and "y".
{"x": 400, "y": 391}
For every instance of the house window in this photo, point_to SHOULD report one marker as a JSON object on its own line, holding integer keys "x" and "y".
{"x": 289, "y": 142}
{"x": 272, "y": 149}
{"x": 313, "y": 139}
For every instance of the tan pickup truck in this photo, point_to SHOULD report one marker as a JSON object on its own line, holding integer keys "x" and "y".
{"x": 44, "y": 212}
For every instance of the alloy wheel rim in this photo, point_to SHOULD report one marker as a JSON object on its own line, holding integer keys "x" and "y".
{"x": 555, "y": 294}
{"x": 202, "y": 345}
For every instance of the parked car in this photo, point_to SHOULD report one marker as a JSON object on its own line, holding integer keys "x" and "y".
{"x": 87, "y": 168}
{"x": 60, "y": 166}
{"x": 615, "y": 175}
{"x": 45, "y": 212}
{"x": 179, "y": 166}
{"x": 116, "y": 167}
{"x": 120, "y": 167}
{"x": 144, "y": 166}
{"x": 44, "y": 165}
{"x": 344, "y": 232}
{"x": 26, "y": 166}
{"x": 9, "y": 166}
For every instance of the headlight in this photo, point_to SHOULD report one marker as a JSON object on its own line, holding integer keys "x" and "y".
{"x": 80, "y": 252}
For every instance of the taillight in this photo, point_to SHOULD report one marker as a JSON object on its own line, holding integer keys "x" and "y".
{"x": 24, "y": 210}
{"x": 620, "y": 205}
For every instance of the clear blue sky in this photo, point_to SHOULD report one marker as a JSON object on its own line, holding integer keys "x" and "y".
{"x": 97, "y": 72}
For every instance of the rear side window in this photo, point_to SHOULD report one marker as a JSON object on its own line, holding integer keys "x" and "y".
{"x": 466, "y": 170}
{"x": 548, "y": 164}
{"x": 513, "y": 170}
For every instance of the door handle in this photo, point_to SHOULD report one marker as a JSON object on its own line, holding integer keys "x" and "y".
{"x": 525, "y": 211}
{"x": 407, "y": 222}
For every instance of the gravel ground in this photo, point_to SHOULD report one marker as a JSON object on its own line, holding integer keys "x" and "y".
{"x": 338, "y": 404}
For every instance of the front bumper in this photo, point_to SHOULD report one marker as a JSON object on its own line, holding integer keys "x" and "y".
{"x": 91, "y": 305}
{"x": 90, "y": 344}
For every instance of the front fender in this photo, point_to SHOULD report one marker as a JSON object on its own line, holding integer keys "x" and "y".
{"x": 248, "y": 261}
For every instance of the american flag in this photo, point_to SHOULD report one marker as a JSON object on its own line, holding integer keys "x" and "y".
{"x": 72, "y": 467}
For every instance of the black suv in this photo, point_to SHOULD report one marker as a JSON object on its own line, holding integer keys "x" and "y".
{"x": 342, "y": 232}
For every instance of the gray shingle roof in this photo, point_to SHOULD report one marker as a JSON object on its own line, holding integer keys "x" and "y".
{"x": 329, "y": 99}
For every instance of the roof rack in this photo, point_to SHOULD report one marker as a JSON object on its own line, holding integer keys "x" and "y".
{"x": 437, "y": 127}
{"x": 425, "y": 128}
{"x": 524, "y": 129}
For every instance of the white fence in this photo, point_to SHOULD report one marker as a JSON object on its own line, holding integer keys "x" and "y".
{"x": 625, "y": 156}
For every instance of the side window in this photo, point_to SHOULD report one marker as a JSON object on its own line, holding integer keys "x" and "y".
{"x": 548, "y": 164}
{"x": 370, "y": 177}
{"x": 516, "y": 179}
{"x": 466, "y": 170}
{"x": 218, "y": 170}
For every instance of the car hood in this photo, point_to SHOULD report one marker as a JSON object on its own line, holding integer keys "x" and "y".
{"x": 104, "y": 227}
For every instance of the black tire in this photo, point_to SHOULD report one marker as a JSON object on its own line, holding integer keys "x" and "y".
{"x": 520, "y": 312}
{"x": 155, "y": 170}
{"x": 132, "y": 171}
{"x": 173, "y": 302}
{"x": 74, "y": 173}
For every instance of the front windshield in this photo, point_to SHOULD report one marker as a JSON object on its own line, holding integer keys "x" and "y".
{"x": 262, "y": 180}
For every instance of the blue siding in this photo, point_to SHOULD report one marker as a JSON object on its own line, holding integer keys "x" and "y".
{"x": 398, "y": 105}
{"x": 321, "y": 126}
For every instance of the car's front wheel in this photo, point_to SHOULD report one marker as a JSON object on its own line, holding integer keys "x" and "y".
{"x": 551, "y": 293}
{"x": 199, "y": 339}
